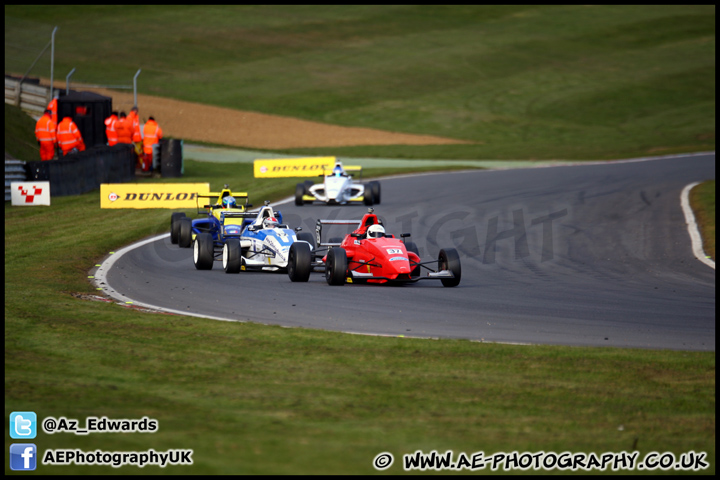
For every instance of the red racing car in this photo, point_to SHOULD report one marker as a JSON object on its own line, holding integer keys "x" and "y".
{"x": 369, "y": 255}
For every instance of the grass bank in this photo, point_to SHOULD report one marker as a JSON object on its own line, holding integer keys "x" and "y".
{"x": 20, "y": 141}
{"x": 522, "y": 82}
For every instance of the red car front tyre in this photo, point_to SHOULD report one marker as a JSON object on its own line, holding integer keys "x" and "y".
{"x": 448, "y": 259}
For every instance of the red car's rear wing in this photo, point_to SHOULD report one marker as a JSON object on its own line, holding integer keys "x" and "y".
{"x": 368, "y": 219}
{"x": 319, "y": 225}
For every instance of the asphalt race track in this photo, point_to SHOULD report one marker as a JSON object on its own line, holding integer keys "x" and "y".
{"x": 590, "y": 255}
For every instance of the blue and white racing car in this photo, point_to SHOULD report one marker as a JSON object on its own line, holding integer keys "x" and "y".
{"x": 248, "y": 241}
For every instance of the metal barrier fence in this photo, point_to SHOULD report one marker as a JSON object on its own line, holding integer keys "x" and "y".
{"x": 26, "y": 95}
{"x": 14, "y": 172}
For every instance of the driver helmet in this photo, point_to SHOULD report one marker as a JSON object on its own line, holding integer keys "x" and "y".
{"x": 229, "y": 202}
{"x": 270, "y": 222}
{"x": 375, "y": 231}
{"x": 337, "y": 171}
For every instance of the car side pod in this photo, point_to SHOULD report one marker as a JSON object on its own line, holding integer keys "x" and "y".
{"x": 411, "y": 247}
{"x": 449, "y": 260}
{"x": 299, "y": 262}
{"x": 336, "y": 266}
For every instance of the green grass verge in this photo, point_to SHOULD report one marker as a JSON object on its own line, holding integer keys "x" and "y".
{"x": 702, "y": 200}
{"x": 522, "y": 82}
{"x": 20, "y": 141}
{"x": 249, "y": 398}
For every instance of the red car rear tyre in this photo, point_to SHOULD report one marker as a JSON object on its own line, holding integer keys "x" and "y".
{"x": 336, "y": 266}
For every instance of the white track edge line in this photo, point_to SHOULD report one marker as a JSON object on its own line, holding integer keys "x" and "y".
{"x": 692, "y": 226}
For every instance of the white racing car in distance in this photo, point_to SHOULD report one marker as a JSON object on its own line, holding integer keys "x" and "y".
{"x": 338, "y": 188}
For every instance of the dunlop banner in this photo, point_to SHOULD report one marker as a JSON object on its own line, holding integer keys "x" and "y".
{"x": 293, "y": 167}
{"x": 156, "y": 195}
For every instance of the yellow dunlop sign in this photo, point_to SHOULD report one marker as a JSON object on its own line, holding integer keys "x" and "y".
{"x": 155, "y": 195}
{"x": 293, "y": 167}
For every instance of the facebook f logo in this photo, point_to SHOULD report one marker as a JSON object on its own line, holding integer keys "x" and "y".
{"x": 23, "y": 425}
{"x": 23, "y": 456}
